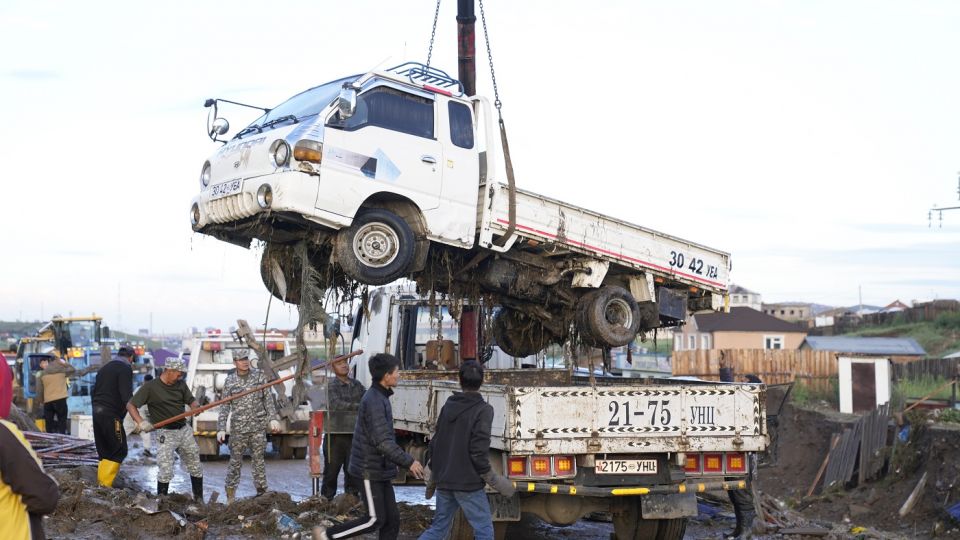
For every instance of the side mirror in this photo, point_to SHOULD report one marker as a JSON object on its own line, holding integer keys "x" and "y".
{"x": 347, "y": 102}
{"x": 106, "y": 332}
{"x": 219, "y": 126}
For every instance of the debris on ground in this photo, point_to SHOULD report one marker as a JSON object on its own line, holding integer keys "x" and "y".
{"x": 59, "y": 451}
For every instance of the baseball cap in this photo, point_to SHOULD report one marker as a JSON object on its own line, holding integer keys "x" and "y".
{"x": 175, "y": 364}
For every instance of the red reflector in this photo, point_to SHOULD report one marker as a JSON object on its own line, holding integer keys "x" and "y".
{"x": 563, "y": 464}
{"x": 437, "y": 90}
{"x": 540, "y": 466}
{"x": 692, "y": 465}
{"x": 736, "y": 462}
{"x": 517, "y": 466}
{"x": 712, "y": 463}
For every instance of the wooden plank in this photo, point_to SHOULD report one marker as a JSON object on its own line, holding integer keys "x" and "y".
{"x": 914, "y": 496}
{"x": 834, "y": 439}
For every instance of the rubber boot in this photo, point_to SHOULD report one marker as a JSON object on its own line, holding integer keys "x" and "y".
{"x": 197, "y": 483}
{"x": 261, "y": 491}
{"x": 231, "y": 495}
{"x": 163, "y": 488}
{"x": 745, "y": 524}
{"x": 107, "y": 472}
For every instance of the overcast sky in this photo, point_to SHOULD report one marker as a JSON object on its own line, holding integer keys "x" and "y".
{"x": 808, "y": 139}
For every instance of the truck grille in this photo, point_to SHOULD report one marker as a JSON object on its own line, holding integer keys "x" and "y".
{"x": 231, "y": 208}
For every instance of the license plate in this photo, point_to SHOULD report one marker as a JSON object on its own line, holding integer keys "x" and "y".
{"x": 626, "y": 466}
{"x": 224, "y": 189}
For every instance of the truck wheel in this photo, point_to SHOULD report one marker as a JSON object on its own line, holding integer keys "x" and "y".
{"x": 280, "y": 272}
{"x": 630, "y": 525}
{"x": 377, "y": 249}
{"x": 608, "y": 317}
{"x": 519, "y": 335}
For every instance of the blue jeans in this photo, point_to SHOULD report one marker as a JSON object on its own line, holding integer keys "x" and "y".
{"x": 475, "y": 507}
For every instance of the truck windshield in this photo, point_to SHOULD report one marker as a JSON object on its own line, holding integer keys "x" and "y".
{"x": 307, "y": 103}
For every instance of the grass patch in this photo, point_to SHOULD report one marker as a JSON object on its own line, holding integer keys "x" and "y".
{"x": 812, "y": 391}
{"x": 918, "y": 388}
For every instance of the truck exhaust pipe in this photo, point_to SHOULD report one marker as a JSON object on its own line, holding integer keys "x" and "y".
{"x": 466, "y": 47}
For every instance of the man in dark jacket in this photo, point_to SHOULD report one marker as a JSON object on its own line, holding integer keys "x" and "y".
{"x": 459, "y": 460}
{"x": 26, "y": 492}
{"x": 374, "y": 457}
{"x": 111, "y": 392}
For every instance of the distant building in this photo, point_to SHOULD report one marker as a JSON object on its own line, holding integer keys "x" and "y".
{"x": 743, "y": 297}
{"x": 896, "y": 305}
{"x": 742, "y": 328}
{"x": 797, "y": 312}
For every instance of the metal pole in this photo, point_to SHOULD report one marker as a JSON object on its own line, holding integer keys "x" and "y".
{"x": 466, "y": 46}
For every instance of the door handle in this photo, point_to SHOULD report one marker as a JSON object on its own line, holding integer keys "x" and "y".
{"x": 429, "y": 159}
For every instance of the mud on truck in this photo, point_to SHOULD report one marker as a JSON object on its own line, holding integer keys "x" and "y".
{"x": 393, "y": 174}
{"x": 639, "y": 449}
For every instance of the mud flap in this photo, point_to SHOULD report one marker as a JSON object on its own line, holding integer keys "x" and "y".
{"x": 668, "y": 505}
{"x": 504, "y": 508}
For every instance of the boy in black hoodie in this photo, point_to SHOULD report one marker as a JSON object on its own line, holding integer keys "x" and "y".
{"x": 460, "y": 462}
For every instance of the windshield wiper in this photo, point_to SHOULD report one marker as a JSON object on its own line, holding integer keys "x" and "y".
{"x": 248, "y": 129}
{"x": 276, "y": 121}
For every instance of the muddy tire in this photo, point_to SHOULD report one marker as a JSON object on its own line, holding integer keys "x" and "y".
{"x": 518, "y": 335}
{"x": 630, "y": 525}
{"x": 377, "y": 249}
{"x": 281, "y": 272}
{"x": 608, "y": 317}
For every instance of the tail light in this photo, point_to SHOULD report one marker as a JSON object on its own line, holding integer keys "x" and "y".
{"x": 736, "y": 462}
{"x": 713, "y": 463}
{"x": 517, "y": 466}
{"x": 212, "y": 346}
{"x": 693, "y": 464}
{"x": 563, "y": 465}
{"x": 540, "y": 466}
{"x": 275, "y": 346}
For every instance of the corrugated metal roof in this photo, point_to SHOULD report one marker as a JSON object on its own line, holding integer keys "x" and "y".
{"x": 865, "y": 345}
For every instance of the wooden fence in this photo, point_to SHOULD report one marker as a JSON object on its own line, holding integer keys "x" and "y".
{"x": 815, "y": 368}
{"x": 943, "y": 368}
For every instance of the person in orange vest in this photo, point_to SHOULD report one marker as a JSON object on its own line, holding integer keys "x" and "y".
{"x": 26, "y": 491}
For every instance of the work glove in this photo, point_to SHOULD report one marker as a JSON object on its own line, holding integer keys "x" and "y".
{"x": 428, "y": 480}
{"x": 221, "y": 436}
{"x": 145, "y": 427}
{"x": 274, "y": 426}
{"x": 499, "y": 483}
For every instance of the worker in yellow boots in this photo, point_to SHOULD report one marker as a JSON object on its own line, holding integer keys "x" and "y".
{"x": 111, "y": 392}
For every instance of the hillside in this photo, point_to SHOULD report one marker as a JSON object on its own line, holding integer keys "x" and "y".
{"x": 938, "y": 337}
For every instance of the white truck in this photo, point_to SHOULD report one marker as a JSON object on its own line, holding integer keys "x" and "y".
{"x": 638, "y": 448}
{"x": 211, "y": 360}
{"x": 393, "y": 174}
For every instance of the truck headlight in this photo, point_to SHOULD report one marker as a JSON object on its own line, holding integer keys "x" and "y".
{"x": 280, "y": 152}
{"x": 265, "y": 196}
{"x": 195, "y": 214}
{"x": 311, "y": 151}
{"x": 205, "y": 174}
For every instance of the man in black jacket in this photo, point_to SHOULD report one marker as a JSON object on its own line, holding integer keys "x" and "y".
{"x": 460, "y": 462}
{"x": 111, "y": 392}
{"x": 374, "y": 457}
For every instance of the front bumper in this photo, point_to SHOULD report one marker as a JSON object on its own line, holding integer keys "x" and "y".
{"x": 628, "y": 491}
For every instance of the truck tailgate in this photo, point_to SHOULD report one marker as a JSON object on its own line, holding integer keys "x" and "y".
{"x": 551, "y": 221}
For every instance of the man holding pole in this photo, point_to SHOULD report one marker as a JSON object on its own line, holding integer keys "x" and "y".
{"x": 248, "y": 416}
{"x": 165, "y": 398}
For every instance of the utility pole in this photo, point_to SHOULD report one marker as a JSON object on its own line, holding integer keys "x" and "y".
{"x": 942, "y": 209}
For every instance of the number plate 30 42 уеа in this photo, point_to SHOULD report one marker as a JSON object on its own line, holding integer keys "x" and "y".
{"x": 626, "y": 466}
{"x": 224, "y": 189}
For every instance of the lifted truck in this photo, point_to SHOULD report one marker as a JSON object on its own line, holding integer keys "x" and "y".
{"x": 393, "y": 174}
{"x": 638, "y": 448}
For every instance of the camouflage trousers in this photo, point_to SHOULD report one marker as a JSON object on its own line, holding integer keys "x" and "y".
{"x": 180, "y": 441}
{"x": 256, "y": 442}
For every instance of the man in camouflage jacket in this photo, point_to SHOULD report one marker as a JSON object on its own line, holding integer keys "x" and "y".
{"x": 249, "y": 417}
{"x": 343, "y": 400}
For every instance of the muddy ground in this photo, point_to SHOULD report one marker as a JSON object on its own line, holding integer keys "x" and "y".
{"x": 128, "y": 511}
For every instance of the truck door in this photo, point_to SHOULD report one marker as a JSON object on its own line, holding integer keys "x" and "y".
{"x": 388, "y": 145}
